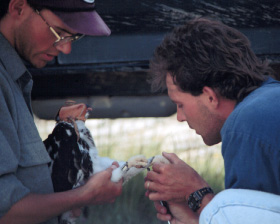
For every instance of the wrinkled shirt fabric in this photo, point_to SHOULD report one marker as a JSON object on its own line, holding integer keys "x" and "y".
{"x": 23, "y": 157}
{"x": 251, "y": 141}
{"x": 240, "y": 206}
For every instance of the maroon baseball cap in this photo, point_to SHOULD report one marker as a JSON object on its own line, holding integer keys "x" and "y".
{"x": 79, "y": 15}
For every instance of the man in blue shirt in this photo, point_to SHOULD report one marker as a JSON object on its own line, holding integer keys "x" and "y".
{"x": 37, "y": 31}
{"x": 250, "y": 141}
{"x": 223, "y": 91}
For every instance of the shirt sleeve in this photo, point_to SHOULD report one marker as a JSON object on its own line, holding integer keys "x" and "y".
{"x": 12, "y": 190}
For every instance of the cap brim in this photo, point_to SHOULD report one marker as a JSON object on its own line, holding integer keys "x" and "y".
{"x": 88, "y": 23}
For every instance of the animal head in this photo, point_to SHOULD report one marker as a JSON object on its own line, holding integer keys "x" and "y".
{"x": 72, "y": 111}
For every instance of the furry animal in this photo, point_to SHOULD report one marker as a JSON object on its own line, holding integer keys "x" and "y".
{"x": 75, "y": 157}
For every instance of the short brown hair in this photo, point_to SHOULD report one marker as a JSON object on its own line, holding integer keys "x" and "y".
{"x": 205, "y": 52}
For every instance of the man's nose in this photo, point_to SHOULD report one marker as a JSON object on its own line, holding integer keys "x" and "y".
{"x": 180, "y": 116}
{"x": 65, "y": 48}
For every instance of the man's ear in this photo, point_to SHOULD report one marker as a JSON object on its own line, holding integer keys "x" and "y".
{"x": 16, "y": 7}
{"x": 210, "y": 97}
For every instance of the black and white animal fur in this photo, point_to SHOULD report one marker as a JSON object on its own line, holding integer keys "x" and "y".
{"x": 75, "y": 158}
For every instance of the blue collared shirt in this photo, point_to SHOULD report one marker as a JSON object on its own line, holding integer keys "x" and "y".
{"x": 23, "y": 156}
{"x": 251, "y": 141}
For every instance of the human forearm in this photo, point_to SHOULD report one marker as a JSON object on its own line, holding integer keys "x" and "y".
{"x": 36, "y": 208}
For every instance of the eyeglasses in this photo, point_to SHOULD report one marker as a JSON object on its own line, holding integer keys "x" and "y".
{"x": 61, "y": 40}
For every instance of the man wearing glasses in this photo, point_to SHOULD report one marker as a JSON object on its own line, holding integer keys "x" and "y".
{"x": 37, "y": 31}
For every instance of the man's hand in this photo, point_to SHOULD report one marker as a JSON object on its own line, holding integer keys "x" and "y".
{"x": 181, "y": 214}
{"x": 37, "y": 208}
{"x": 172, "y": 182}
{"x": 100, "y": 189}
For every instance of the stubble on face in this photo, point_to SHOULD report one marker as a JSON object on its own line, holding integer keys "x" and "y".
{"x": 26, "y": 43}
{"x": 211, "y": 125}
{"x": 33, "y": 42}
{"x": 194, "y": 111}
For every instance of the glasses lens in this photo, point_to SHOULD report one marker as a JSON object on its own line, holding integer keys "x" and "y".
{"x": 67, "y": 39}
{"x": 79, "y": 36}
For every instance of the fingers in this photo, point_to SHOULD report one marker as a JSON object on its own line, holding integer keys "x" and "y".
{"x": 152, "y": 183}
{"x": 162, "y": 212}
{"x": 157, "y": 167}
{"x": 153, "y": 191}
{"x": 154, "y": 174}
{"x": 159, "y": 208}
{"x": 99, "y": 189}
{"x": 150, "y": 186}
{"x": 116, "y": 163}
{"x": 114, "y": 166}
{"x": 165, "y": 218}
{"x": 172, "y": 157}
{"x": 155, "y": 196}
{"x": 109, "y": 174}
{"x": 111, "y": 168}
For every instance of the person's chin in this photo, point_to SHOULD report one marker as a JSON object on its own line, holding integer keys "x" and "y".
{"x": 210, "y": 141}
{"x": 39, "y": 63}
{"x": 41, "y": 60}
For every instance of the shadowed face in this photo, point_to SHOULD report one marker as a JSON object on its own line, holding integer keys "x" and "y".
{"x": 195, "y": 111}
{"x": 34, "y": 40}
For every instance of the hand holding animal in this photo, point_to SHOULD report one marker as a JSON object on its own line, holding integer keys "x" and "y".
{"x": 74, "y": 156}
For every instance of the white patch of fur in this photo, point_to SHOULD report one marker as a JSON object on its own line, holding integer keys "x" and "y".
{"x": 68, "y": 132}
{"x": 71, "y": 219}
{"x": 55, "y": 155}
{"x": 117, "y": 174}
{"x": 51, "y": 166}
{"x": 57, "y": 142}
{"x": 93, "y": 152}
{"x": 80, "y": 181}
